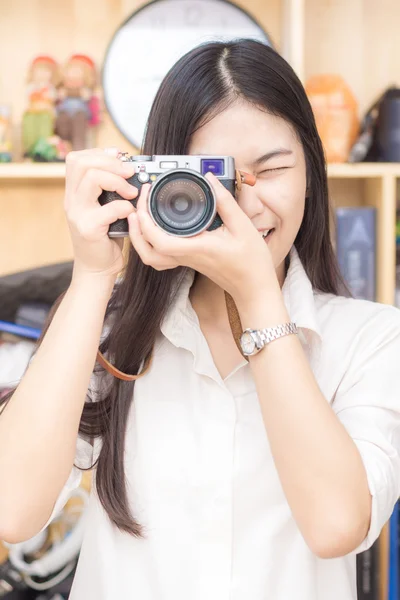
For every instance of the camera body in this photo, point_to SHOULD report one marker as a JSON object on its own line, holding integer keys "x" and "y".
{"x": 181, "y": 200}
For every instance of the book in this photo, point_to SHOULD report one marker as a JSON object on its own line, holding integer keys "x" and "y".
{"x": 394, "y": 554}
{"x": 368, "y": 573}
{"x": 356, "y": 249}
{"x": 20, "y": 330}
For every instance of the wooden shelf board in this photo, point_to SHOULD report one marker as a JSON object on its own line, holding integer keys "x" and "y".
{"x": 362, "y": 170}
{"x": 26, "y": 170}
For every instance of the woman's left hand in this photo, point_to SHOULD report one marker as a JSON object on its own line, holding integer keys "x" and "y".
{"x": 234, "y": 256}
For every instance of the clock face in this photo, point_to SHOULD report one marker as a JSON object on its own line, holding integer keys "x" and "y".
{"x": 247, "y": 343}
{"x": 147, "y": 45}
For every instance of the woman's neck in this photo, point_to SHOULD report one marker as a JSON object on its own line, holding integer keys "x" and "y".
{"x": 208, "y": 299}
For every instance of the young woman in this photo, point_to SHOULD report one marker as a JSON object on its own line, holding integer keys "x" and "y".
{"x": 215, "y": 477}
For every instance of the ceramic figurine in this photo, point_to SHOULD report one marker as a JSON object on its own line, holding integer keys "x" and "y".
{"x": 336, "y": 114}
{"x": 77, "y": 106}
{"x": 5, "y": 134}
{"x": 38, "y": 119}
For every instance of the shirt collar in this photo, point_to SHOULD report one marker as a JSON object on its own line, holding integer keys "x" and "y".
{"x": 297, "y": 292}
{"x": 298, "y": 295}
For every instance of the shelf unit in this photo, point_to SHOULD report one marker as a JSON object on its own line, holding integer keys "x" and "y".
{"x": 355, "y": 38}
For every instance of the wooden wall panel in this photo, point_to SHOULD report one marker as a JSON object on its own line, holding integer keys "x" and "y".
{"x": 33, "y": 228}
{"x": 358, "y": 39}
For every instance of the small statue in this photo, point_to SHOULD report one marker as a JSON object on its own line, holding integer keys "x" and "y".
{"x": 336, "y": 115}
{"x": 77, "y": 105}
{"x": 38, "y": 119}
{"x": 50, "y": 149}
{"x": 5, "y": 134}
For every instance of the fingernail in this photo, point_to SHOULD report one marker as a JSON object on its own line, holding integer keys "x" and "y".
{"x": 112, "y": 151}
{"x": 210, "y": 175}
{"x": 128, "y": 168}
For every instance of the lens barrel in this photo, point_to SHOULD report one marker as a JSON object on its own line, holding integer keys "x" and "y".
{"x": 182, "y": 202}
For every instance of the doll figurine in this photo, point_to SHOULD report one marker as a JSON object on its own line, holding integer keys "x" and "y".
{"x": 76, "y": 103}
{"x": 38, "y": 119}
{"x": 5, "y": 134}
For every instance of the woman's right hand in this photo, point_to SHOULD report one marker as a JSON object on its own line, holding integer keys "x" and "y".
{"x": 88, "y": 173}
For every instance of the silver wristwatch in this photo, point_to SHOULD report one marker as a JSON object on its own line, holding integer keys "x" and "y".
{"x": 254, "y": 340}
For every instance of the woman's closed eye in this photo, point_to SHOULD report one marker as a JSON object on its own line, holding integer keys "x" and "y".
{"x": 272, "y": 170}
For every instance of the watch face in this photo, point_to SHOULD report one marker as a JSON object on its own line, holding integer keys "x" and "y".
{"x": 247, "y": 343}
{"x": 151, "y": 40}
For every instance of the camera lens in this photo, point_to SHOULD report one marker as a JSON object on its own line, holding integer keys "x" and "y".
{"x": 182, "y": 203}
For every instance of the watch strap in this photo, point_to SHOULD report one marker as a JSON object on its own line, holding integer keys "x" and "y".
{"x": 270, "y": 334}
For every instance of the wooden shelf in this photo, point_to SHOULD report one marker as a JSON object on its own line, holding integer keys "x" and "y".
{"x": 26, "y": 170}
{"x": 362, "y": 170}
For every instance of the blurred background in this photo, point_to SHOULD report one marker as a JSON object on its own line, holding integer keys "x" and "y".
{"x": 77, "y": 74}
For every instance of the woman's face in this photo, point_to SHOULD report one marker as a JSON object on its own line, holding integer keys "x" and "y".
{"x": 267, "y": 147}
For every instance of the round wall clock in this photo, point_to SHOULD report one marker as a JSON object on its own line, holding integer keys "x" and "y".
{"x": 151, "y": 40}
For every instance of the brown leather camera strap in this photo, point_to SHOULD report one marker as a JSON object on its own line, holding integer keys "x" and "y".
{"x": 236, "y": 328}
{"x": 119, "y": 374}
{"x": 243, "y": 177}
{"x": 234, "y": 321}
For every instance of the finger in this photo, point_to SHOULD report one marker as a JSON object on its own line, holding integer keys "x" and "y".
{"x": 77, "y": 163}
{"x": 171, "y": 245}
{"x": 75, "y": 153}
{"x": 163, "y": 242}
{"x": 227, "y": 207}
{"x": 148, "y": 255}
{"x": 112, "y": 151}
{"x": 144, "y": 197}
{"x": 111, "y": 212}
{"x": 92, "y": 185}
{"x": 94, "y": 223}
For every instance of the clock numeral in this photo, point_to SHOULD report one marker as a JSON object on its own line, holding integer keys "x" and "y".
{"x": 193, "y": 16}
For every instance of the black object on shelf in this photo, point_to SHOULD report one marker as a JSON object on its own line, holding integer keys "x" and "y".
{"x": 368, "y": 573}
{"x": 379, "y": 136}
{"x": 388, "y": 127}
{"x": 42, "y": 285}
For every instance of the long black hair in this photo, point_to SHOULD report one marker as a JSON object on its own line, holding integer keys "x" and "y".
{"x": 199, "y": 86}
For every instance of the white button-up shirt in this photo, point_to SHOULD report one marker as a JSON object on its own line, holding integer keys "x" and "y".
{"x": 201, "y": 477}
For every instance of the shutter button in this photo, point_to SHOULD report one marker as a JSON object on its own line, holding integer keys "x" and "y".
{"x": 143, "y": 176}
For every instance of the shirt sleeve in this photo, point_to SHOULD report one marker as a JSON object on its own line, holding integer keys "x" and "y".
{"x": 368, "y": 405}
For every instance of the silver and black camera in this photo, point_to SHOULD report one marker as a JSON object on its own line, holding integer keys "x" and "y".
{"x": 181, "y": 200}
